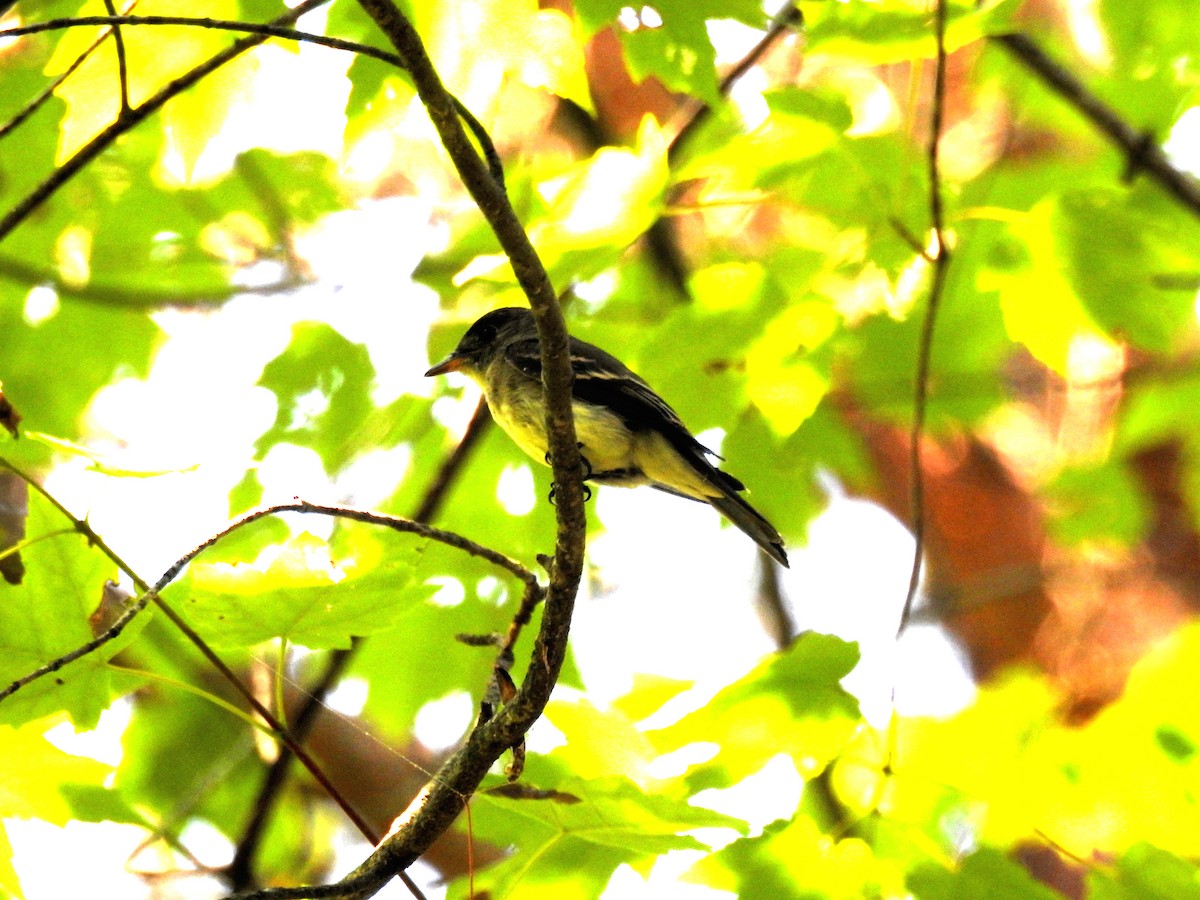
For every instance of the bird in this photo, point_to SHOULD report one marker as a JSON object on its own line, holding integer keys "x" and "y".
{"x": 628, "y": 435}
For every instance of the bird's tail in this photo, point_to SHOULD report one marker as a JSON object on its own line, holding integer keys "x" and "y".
{"x": 749, "y": 520}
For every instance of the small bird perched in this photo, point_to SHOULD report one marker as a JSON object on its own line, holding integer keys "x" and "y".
{"x": 628, "y": 435}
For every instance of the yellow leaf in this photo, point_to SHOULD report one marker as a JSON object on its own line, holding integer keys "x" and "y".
{"x": 154, "y": 55}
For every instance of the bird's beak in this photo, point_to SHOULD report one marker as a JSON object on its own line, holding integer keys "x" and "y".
{"x": 451, "y": 363}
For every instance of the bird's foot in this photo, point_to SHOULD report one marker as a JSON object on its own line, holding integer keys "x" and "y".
{"x": 587, "y": 466}
{"x": 587, "y": 493}
{"x": 587, "y": 473}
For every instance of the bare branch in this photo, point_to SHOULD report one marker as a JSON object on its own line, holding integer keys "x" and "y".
{"x": 264, "y": 30}
{"x": 442, "y": 799}
{"x": 122, "y": 64}
{"x": 112, "y": 295}
{"x": 941, "y": 267}
{"x": 786, "y": 21}
{"x": 1142, "y": 154}
{"x": 109, "y": 135}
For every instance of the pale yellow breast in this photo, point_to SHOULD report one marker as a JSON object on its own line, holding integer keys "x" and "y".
{"x": 606, "y": 443}
{"x": 517, "y": 408}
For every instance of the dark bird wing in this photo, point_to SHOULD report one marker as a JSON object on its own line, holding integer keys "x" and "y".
{"x": 603, "y": 380}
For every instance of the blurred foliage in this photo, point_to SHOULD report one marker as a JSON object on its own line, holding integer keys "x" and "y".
{"x": 800, "y": 217}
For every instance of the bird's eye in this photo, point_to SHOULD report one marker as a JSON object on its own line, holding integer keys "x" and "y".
{"x": 485, "y": 335}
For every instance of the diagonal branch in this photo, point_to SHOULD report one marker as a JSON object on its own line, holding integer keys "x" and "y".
{"x": 786, "y": 21}
{"x": 1142, "y": 154}
{"x": 84, "y": 155}
{"x": 264, "y": 30}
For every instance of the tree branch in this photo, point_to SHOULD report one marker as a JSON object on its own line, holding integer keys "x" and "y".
{"x": 113, "y": 295}
{"x": 122, "y": 65}
{"x": 941, "y": 267}
{"x": 1142, "y": 154}
{"x": 439, "y": 804}
{"x": 785, "y": 21}
{"x": 109, "y": 135}
{"x": 263, "y": 30}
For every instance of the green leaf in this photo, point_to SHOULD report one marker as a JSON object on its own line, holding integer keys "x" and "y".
{"x": 987, "y": 874}
{"x": 96, "y": 803}
{"x": 203, "y": 760}
{"x": 1116, "y": 252}
{"x": 1152, "y": 61}
{"x": 895, "y": 30}
{"x": 569, "y": 845}
{"x": 300, "y": 593}
{"x": 969, "y": 347}
{"x": 793, "y": 859}
{"x": 322, "y": 383}
{"x": 1158, "y": 411}
{"x": 1097, "y": 503}
{"x": 34, "y": 769}
{"x": 85, "y": 346}
{"x": 433, "y": 663}
{"x": 791, "y": 702}
{"x": 1144, "y": 872}
{"x": 46, "y": 616}
{"x": 671, "y": 41}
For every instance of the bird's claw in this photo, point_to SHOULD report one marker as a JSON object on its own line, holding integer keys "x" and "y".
{"x": 587, "y": 493}
{"x": 587, "y": 473}
{"x": 587, "y": 466}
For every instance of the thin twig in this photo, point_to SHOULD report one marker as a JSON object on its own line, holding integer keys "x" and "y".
{"x": 787, "y": 20}
{"x": 396, "y": 523}
{"x": 265, "y": 30}
{"x": 660, "y": 237}
{"x": 122, "y": 64}
{"x": 109, "y": 295}
{"x": 941, "y": 266}
{"x": 93, "y": 148}
{"x": 109, "y": 634}
{"x": 262, "y": 29}
{"x": 1142, "y": 154}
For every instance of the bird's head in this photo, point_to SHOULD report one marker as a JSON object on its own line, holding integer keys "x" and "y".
{"x": 486, "y": 338}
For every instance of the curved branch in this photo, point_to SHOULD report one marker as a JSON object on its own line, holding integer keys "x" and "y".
{"x": 443, "y": 798}
{"x": 264, "y": 31}
{"x": 450, "y": 538}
